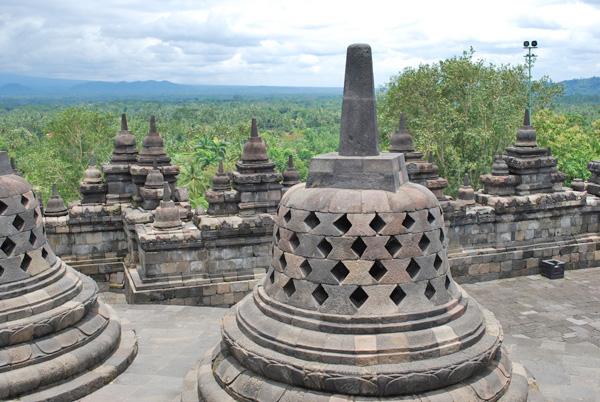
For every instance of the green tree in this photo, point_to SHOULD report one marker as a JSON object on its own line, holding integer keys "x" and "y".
{"x": 461, "y": 109}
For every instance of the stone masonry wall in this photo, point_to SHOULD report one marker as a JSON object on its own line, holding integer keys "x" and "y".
{"x": 214, "y": 265}
{"x": 90, "y": 238}
{"x": 511, "y": 236}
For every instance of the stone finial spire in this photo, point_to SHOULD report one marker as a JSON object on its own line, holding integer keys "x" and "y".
{"x": 430, "y": 158}
{"x": 5, "y": 165}
{"x": 254, "y": 129}
{"x": 358, "y": 127}
{"x": 402, "y": 140}
{"x": 124, "y": 122}
{"x": 56, "y": 205}
{"x": 153, "y": 125}
{"x": 527, "y": 119}
{"x": 14, "y": 167}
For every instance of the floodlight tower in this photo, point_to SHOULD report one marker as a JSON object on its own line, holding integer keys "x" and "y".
{"x": 530, "y": 59}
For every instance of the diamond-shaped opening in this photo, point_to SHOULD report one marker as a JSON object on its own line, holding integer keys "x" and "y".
{"x": 18, "y": 222}
{"x": 25, "y": 262}
{"x": 442, "y": 237}
{"x": 1, "y": 271}
{"x": 272, "y": 277}
{"x": 377, "y": 271}
{"x": 359, "y": 247}
{"x": 377, "y": 224}
{"x": 429, "y": 291}
{"x": 413, "y": 268}
{"x": 320, "y": 295}
{"x": 277, "y": 236}
{"x": 408, "y": 221}
{"x": 393, "y": 246}
{"x": 312, "y": 221}
{"x": 424, "y": 243}
{"x": 294, "y": 241}
{"x": 287, "y": 217}
{"x": 358, "y": 297}
{"x": 437, "y": 264}
{"x": 24, "y": 200}
{"x": 397, "y": 295}
{"x": 447, "y": 284}
{"x": 305, "y": 268}
{"x": 342, "y": 224}
{"x": 430, "y": 217}
{"x": 282, "y": 262}
{"x": 324, "y": 248}
{"x": 32, "y": 238}
{"x": 340, "y": 272}
{"x": 44, "y": 253}
{"x": 289, "y": 288}
{"x": 8, "y": 246}
{"x": 3, "y": 207}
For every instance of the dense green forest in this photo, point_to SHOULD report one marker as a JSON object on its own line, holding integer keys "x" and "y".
{"x": 461, "y": 109}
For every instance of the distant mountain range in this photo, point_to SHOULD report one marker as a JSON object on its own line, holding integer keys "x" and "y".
{"x": 12, "y": 85}
{"x": 582, "y": 86}
{"x": 17, "y": 86}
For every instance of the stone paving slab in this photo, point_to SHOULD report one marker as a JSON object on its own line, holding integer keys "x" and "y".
{"x": 550, "y": 326}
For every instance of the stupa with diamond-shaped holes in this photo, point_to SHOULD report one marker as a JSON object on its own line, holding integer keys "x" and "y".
{"x": 359, "y": 300}
{"x": 58, "y": 342}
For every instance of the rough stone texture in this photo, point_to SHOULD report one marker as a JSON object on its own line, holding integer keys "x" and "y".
{"x": 359, "y": 300}
{"x": 501, "y": 237}
{"x": 419, "y": 171}
{"x": 53, "y": 330}
{"x": 215, "y": 263}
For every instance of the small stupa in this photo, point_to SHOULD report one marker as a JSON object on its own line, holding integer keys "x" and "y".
{"x": 222, "y": 200}
{"x": 291, "y": 176}
{"x": 92, "y": 188}
{"x": 55, "y": 205}
{"x": 425, "y": 173}
{"x": 116, "y": 172}
{"x": 256, "y": 180}
{"x": 153, "y": 150}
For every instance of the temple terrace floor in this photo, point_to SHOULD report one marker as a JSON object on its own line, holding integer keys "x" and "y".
{"x": 551, "y": 326}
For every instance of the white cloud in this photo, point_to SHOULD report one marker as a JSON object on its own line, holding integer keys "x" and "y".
{"x": 270, "y": 42}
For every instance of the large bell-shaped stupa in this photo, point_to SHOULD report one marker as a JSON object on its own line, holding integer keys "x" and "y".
{"x": 58, "y": 342}
{"x": 359, "y": 302}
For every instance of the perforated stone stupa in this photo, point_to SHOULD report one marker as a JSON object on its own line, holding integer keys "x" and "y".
{"x": 359, "y": 300}
{"x": 57, "y": 341}
{"x": 116, "y": 172}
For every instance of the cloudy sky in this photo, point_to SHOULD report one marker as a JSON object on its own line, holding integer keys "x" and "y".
{"x": 281, "y": 42}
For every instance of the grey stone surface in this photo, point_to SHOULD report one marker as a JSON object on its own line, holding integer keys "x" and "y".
{"x": 551, "y": 326}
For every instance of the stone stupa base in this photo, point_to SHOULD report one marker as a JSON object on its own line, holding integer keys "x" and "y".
{"x": 90, "y": 351}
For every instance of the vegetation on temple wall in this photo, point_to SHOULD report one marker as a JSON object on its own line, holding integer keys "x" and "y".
{"x": 461, "y": 109}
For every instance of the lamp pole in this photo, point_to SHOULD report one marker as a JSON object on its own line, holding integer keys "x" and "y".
{"x": 530, "y": 58}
